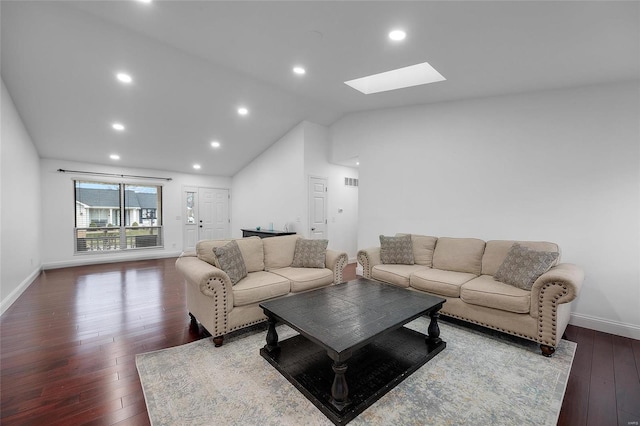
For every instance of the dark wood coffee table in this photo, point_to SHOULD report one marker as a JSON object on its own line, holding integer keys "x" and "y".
{"x": 352, "y": 347}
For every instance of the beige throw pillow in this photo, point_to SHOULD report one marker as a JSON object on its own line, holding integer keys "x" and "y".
{"x": 310, "y": 253}
{"x": 523, "y": 266}
{"x": 231, "y": 261}
{"x": 396, "y": 250}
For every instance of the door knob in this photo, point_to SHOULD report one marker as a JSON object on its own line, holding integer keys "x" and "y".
{"x": 313, "y": 229}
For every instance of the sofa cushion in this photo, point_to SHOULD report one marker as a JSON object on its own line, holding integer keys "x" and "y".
{"x": 259, "y": 286}
{"x": 396, "y": 250}
{"x": 204, "y": 250}
{"x": 423, "y": 247}
{"x": 278, "y": 251}
{"x": 231, "y": 261}
{"x": 395, "y": 274}
{"x": 252, "y": 252}
{"x": 303, "y": 279}
{"x": 485, "y": 291}
{"x": 310, "y": 253}
{"x": 459, "y": 254}
{"x": 522, "y": 266}
{"x": 251, "y": 249}
{"x": 437, "y": 281}
{"x": 496, "y": 251}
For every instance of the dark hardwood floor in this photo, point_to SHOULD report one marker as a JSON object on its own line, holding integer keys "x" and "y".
{"x": 68, "y": 345}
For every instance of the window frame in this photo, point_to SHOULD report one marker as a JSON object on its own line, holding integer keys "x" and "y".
{"x": 125, "y": 242}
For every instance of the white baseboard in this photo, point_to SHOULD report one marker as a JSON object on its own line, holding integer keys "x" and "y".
{"x": 89, "y": 259}
{"x": 359, "y": 270}
{"x": 605, "y": 325}
{"x": 13, "y": 296}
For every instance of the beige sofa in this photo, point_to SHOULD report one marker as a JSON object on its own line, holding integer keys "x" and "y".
{"x": 462, "y": 269}
{"x": 222, "y": 307}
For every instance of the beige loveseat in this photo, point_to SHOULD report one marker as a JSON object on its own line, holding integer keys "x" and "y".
{"x": 222, "y": 307}
{"x": 462, "y": 271}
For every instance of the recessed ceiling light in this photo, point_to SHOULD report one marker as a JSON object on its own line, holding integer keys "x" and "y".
{"x": 114, "y": 156}
{"x": 118, "y": 126}
{"x": 124, "y": 77}
{"x": 397, "y": 35}
{"x": 357, "y": 163}
{"x": 215, "y": 144}
{"x": 196, "y": 166}
{"x": 243, "y": 111}
{"x": 413, "y": 75}
{"x": 145, "y": 1}
{"x": 299, "y": 70}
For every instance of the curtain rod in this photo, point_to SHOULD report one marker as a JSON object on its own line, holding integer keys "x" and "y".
{"x": 113, "y": 175}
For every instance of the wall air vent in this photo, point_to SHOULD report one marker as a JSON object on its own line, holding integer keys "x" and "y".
{"x": 351, "y": 182}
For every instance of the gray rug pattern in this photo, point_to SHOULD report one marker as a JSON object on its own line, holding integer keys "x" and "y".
{"x": 481, "y": 377}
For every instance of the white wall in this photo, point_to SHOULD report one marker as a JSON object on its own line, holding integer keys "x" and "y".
{"x": 20, "y": 224}
{"x": 58, "y": 210}
{"x": 342, "y": 229}
{"x": 270, "y": 188}
{"x": 274, "y": 188}
{"x": 562, "y": 166}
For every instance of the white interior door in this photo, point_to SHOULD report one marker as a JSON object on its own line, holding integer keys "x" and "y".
{"x": 317, "y": 208}
{"x": 206, "y": 215}
{"x": 213, "y": 209}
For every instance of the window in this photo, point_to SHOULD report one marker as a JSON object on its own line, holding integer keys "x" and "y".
{"x": 112, "y": 217}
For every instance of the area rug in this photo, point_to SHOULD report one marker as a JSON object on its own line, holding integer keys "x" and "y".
{"x": 481, "y": 377}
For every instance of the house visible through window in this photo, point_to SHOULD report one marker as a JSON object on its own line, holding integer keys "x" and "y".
{"x": 117, "y": 216}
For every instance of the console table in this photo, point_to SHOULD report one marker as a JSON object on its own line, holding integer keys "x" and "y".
{"x": 264, "y": 233}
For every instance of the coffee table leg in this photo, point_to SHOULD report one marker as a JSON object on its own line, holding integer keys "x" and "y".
{"x": 434, "y": 331}
{"x": 339, "y": 389}
{"x": 272, "y": 336}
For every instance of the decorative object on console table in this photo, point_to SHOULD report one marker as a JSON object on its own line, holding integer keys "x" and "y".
{"x": 263, "y": 233}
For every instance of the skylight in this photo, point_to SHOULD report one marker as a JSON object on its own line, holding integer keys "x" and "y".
{"x": 400, "y": 78}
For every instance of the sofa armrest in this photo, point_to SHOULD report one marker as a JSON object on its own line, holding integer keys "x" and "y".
{"x": 189, "y": 253}
{"x": 209, "y": 293}
{"x": 369, "y": 258}
{"x": 205, "y": 276}
{"x": 560, "y": 284}
{"x": 336, "y": 261}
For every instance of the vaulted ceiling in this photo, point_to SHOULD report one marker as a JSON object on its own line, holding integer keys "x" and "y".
{"x": 194, "y": 63}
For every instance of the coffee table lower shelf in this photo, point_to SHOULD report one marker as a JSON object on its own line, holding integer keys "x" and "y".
{"x": 372, "y": 370}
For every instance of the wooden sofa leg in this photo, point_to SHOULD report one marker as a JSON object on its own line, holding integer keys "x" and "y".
{"x": 547, "y": 350}
{"x": 217, "y": 341}
{"x": 194, "y": 321}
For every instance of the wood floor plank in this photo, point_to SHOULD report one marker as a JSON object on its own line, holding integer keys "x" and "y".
{"x": 626, "y": 376}
{"x": 68, "y": 346}
{"x": 575, "y": 405}
{"x": 602, "y": 392}
{"x": 635, "y": 344}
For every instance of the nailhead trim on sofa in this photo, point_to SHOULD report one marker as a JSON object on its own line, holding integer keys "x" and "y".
{"x": 213, "y": 289}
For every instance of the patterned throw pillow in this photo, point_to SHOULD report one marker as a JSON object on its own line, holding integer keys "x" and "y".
{"x": 231, "y": 261}
{"x": 310, "y": 253}
{"x": 396, "y": 250}
{"x": 522, "y": 266}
